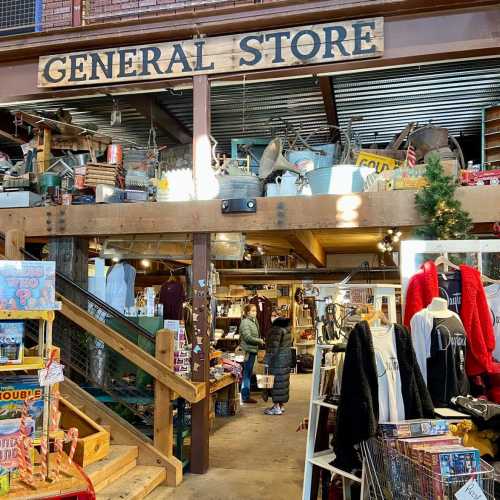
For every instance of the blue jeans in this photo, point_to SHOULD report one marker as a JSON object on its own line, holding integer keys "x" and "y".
{"x": 247, "y": 375}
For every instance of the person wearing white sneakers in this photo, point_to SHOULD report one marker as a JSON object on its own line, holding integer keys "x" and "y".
{"x": 278, "y": 359}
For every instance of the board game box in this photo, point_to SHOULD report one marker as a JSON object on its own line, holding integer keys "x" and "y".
{"x": 13, "y": 392}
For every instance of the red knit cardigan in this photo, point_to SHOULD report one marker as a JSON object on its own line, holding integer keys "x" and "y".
{"x": 474, "y": 312}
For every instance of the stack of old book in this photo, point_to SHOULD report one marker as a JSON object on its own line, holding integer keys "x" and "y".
{"x": 103, "y": 173}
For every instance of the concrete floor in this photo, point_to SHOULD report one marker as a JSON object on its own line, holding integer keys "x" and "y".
{"x": 253, "y": 456}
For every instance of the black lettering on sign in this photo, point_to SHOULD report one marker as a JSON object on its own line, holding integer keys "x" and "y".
{"x": 76, "y": 73}
{"x": 179, "y": 57}
{"x": 257, "y": 54}
{"x": 363, "y": 36}
{"x": 330, "y": 42}
{"x": 278, "y": 38}
{"x": 127, "y": 62}
{"x": 150, "y": 57}
{"x": 106, "y": 67}
{"x": 61, "y": 71}
{"x": 312, "y": 51}
{"x": 199, "y": 57}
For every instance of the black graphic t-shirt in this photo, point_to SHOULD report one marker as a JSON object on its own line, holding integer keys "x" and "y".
{"x": 450, "y": 288}
{"x": 446, "y": 377}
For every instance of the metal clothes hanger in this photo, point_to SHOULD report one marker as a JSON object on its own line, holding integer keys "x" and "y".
{"x": 442, "y": 260}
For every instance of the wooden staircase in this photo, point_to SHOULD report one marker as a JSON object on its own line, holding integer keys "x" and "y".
{"x": 118, "y": 476}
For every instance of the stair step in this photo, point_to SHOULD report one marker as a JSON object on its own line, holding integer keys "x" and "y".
{"x": 141, "y": 481}
{"x": 120, "y": 460}
{"x": 161, "y": 493}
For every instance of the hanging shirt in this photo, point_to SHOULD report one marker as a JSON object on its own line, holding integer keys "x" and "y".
{"x": 172, "y": 296}
{"x": 117, "y": 288}
{"x": 264, "y": 312}
{"x": 446, "y": 376}
{"x": 493, "y": 298}
{"x": 129, "y": 275}
{"x": 390, "y": 398}
{"x": 450, "y": 289}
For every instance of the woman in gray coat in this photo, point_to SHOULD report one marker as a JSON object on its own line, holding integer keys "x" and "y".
{"x": 279, "y": 361}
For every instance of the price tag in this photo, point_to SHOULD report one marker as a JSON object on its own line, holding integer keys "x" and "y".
{"x": 470, "y": 491}
{"x": 51, "y": 375}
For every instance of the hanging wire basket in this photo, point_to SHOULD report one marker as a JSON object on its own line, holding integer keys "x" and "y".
{"x": 391, "y": 475}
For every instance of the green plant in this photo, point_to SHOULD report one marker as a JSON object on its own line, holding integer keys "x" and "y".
{"x": 442, "y": 213}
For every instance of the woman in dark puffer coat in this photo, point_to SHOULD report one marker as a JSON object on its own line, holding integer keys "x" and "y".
{"x": 279, "y": 360}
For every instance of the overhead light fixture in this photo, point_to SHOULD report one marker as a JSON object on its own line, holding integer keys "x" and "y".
{"x": 387, "y": 244}
{"x": 145, "y": 263}
{"x": 115, "y": 260}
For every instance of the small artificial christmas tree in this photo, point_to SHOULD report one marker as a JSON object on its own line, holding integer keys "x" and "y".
{"x": 443, "y": 214}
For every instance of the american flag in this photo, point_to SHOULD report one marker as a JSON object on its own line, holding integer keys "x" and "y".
{"x": 411, "y": 157}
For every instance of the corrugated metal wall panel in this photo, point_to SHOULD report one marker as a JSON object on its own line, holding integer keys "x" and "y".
{"x": 449, "y": 95}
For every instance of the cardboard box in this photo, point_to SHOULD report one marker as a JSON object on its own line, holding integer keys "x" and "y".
{"x": 11, "y": 342}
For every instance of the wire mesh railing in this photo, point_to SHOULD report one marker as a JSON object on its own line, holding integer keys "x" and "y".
{"x": 103, "y": 372}
{"x": 20, "y": 16}
{"x": 96, "y": 10}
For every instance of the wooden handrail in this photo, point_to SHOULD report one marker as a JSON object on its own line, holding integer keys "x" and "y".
{"x": 192, "y": 392}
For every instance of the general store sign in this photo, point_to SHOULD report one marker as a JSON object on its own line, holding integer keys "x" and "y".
{"x": 331, "y": 42}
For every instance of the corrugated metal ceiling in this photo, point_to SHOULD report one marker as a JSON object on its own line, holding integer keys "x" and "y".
{"x": 448, "y": 94}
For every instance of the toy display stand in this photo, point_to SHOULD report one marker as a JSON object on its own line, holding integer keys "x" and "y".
{"x": 72, "y": 481}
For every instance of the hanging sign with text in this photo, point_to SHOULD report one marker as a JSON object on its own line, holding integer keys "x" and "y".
{"x": 305, "y": 45}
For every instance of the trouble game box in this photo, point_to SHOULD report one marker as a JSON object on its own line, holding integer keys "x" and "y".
{"x": 13, "y": 392}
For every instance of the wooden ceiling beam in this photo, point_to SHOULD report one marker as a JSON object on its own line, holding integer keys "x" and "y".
{"x": 308, "y": 247}
{"x": 362, "y": 210}
{"x": 148, "y": 105}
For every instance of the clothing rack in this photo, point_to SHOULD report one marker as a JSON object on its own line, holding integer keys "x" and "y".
{"x": 323, "y": 459}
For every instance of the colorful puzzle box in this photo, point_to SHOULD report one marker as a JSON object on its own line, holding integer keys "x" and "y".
{"x": 11, "y": 342}
{"x": 27, "y": 285}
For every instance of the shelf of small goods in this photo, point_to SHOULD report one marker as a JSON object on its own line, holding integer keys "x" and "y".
{"x": 36, "y": 456}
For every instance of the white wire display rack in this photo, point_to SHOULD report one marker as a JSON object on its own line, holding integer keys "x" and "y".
{"x": 391, "y": 475}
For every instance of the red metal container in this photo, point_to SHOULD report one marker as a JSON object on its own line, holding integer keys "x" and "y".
{"x": 115, "y": 154}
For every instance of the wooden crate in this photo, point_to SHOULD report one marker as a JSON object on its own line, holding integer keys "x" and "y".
{"x": 93, "y": 441}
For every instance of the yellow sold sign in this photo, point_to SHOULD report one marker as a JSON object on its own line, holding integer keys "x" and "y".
{"x": 378, "y": 162}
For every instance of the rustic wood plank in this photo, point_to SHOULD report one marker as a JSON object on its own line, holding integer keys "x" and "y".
{"x": 248, "y": 51}
{"x": 201, "y": 353}
{"x": 15, "y": 241}
{"x": 163, "y": 412}
{"x": 373, "y": 210}
{"x": 141, "y": 481}
{"x": 117, "y": 463}
{"x": 308, "y": 247}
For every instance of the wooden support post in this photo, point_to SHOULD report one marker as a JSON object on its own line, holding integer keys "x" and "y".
{"x": 44, "y": 146}
{"x": 200, "y": 353}
{"x": 71, "y": 257}
{"x": 14, "y": 243}
{"x": 77, "y": 13}
{"x": 202, "y": 151}
{"x": 163, "y": 413}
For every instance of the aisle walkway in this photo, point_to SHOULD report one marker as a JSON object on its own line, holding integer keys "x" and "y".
{"x": 254, "y": 456}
